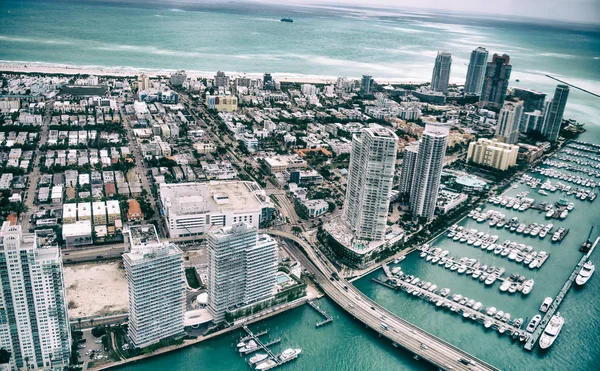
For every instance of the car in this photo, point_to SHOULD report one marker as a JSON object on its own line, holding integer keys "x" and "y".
{"x": 99, "y": 257}
{"x": 373, "y": 308}
{"x": 98, "y": 341}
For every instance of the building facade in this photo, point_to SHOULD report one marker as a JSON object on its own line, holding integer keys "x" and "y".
{"x": 555, "y": 113}
{"x": 495, "y": 83}
{"x": 156, "y": 286}
{"x": 370, "y": 176}
{"x": 242, "y": 266}
{"x": 476, "y": 71}
{"x": 366, "y": 85}
{"x": 493, "y": 153}
{"x": 34, "y": 323}
{"x": 509, "y": 121}
{"x": 408, "y": 166}
{"x": 427, "y": 170}
{"x": 441, "y": 72}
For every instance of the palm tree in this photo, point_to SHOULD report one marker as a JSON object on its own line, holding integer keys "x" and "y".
{"x": 296, "y": 230}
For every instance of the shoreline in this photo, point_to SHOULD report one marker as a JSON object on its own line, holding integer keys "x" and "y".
{"x": 187, "y": 343}
{"x": 72, "y": 70}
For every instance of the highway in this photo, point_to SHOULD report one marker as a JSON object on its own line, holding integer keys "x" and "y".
{"x": 438, "y": 352}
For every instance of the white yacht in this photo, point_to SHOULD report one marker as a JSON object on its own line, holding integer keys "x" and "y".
{"x": 266, "y": 365}
{"x": 551, "y": 331}
{"x": 289, "y": 354}
{"x": 545, "y": 305}
{"x": 585, "y": 273}
{"x": 533, "y": 324}
{"x": 251, "y": 345}
{"x": 257, "y": 358}
{"x": 527, "y": 286}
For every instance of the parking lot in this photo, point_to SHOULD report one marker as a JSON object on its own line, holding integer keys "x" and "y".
{"x": 91, "y": 349}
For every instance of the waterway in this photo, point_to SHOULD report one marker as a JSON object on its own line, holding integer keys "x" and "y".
{"x": 345, "y": 344}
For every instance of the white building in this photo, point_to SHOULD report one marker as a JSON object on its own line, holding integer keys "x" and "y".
{"x": 427, "y": 171}
{"x": 77, "y": 234}
{"x": 156, "y": 284}
{"x": 492, "y": 153}
{"x": 370, "y": 177}
{"x": 34, "y": 325}
{"x": 192, "y": 208}
{"x": 509, "y": 121}
{"x": 241, "y": 268}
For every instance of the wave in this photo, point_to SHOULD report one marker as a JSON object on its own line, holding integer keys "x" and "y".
{"x": 558, "y": 55}
{"x": 32, "y": 40}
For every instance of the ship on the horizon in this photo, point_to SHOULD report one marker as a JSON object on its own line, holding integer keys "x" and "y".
{"x": 288, "y": 20}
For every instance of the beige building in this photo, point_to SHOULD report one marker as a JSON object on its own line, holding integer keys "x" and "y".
{"x": 281, "y": 163}
{"x": 84, "y": 211}
{"x": 221, "y": 103}
{"x": 493, "y": 153}
{"x": 113, "y": 211}
{"x": 99, "y": 211}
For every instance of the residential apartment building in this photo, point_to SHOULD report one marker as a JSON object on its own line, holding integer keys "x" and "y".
{"x": 493, "y": 153}
{"x": 476, "y": 71}
{"x": 509, "y": 121}
{"x": 441, "y": 72}
{"x": 495, "y": 83}
{"x": 370, "y": 176}
{"x": 34, "y": 323}
{"x": 241, "y": 268}
{"x": 156, "y": 286}
{"x": 555, "y": 113}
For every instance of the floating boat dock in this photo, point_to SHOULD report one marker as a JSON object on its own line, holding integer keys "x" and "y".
{"x": 530, "y": 344}
{"x": 261, "y": 345}
{"x": 250, "y": 337}
{"x": 327, "y": 319}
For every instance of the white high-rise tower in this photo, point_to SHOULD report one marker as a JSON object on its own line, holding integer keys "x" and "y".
{"x": 428, "y": 170}
{"x": 241, "y": 268}
{"x": 441, "y": 72}
{"x": 509, "y": 121}
{"x": 476, "y": 71}
{"x": 370, "y": 176}
{"x": 34, "y": 324}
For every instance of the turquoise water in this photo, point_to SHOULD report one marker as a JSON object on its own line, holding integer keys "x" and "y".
{"x": 393, "y": 45}
{"x": 237, "y": 37}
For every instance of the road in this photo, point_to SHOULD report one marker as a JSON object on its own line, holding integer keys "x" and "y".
{"x": 419, "y": 342}
{"x": 141, "y": 171}
{"x": 35, "y": 173}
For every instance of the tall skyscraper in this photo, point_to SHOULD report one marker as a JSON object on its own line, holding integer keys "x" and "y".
{"x": 143, "y": 82}
{"x": 441, "y": 72}
{"x": 532, "y": 101}
{"x": 370, "y": 176}
{"x": 509, "y": 119}
{"x": 366, "y": 85}
{"x": 241, "y": 268}
{"x": 408, "y": 166}
{"x": 427, "y": 170}
{"x": 34, "y": 324}
{"x": 555, "y": 112}
{"x": 155, "y": 280}
{"x": 476, "y": 71}
{"x": 178, "y": 78}
{"x": 495, "y": 83}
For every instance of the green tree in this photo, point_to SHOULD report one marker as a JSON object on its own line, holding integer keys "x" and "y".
{"x": 296, "y": 230}
{"x": 4, "y": 356}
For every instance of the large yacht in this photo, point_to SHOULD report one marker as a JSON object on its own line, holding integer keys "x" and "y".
{"x": 289, "y": 354}
{"x": 585, "y": 273}
{"x": 545, "y": 305}
{"x": 551, "y": 331}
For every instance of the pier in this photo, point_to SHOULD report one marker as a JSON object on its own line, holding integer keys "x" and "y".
{"x": 447, "y": 302}
{"x": 262, "y": 345}
{"x": 249, "y": 337}
{"x": 573, "y": 86}
{"x": 530, "y": 344}
{"x": 327, "y": 319}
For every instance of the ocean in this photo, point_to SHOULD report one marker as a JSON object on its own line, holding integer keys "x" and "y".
{"x": 249, "y": 38}
{"x": 397, "y": 45}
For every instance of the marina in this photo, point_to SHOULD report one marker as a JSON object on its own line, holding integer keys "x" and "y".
{"x": 553, "y": 308}
{"x": 266, "y": 361}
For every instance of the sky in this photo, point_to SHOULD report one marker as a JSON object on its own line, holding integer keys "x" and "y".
{"x": 585, "y": 11}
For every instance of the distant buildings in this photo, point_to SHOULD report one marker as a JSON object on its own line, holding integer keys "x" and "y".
{"x": 227, "y": 103}
{"x": 493, "y": 153}
{"x": 366, "y": 86}
{"x": 495, "y": 83}
{"x": 426, "y": 170}
{"x": 241, "y": 268}
{"x": 192, "y": 208}
{"x": 441, "y": 72}
{"x": 555, "y": 112}
{"x": 370, "y": 176}
{"x": 155, "y": 281}
{"x": 476, "y": 71}
{"x": 509, "y": 119}
{"x": 281, "y": 163}
{"x": 143, "y": 82}
{"x": 429, "y": 96}
{"x": 178, "y": 78}
{"x": 221, "y": 79}
{"x": 34, "y": 324}
{"x": 533, "y": 106}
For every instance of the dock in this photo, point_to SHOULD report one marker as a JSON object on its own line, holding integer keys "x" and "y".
{"x": 262, "y": 345}
{"x": 249, "y": 337}
{"x": 434, "y": 298}
{"x": 327, "y": 317}
{"x": 530, "y": 344}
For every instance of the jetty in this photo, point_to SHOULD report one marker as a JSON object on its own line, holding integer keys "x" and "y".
{"x": 327, "y": 317}
{"x": 573, "y": 86}
{"x": 257, "y": 334}
{"x": 261, "y": 345}
{"x": 530, "y": 344}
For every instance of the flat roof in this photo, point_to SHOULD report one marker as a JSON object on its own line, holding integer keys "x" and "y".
{"x": 470, "y": 181}
{"x": 214, "y": 196}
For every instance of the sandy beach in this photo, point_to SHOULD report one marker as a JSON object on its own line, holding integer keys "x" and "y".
{"x": 95, "y": 289}
{"x": 49, "y": 69}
